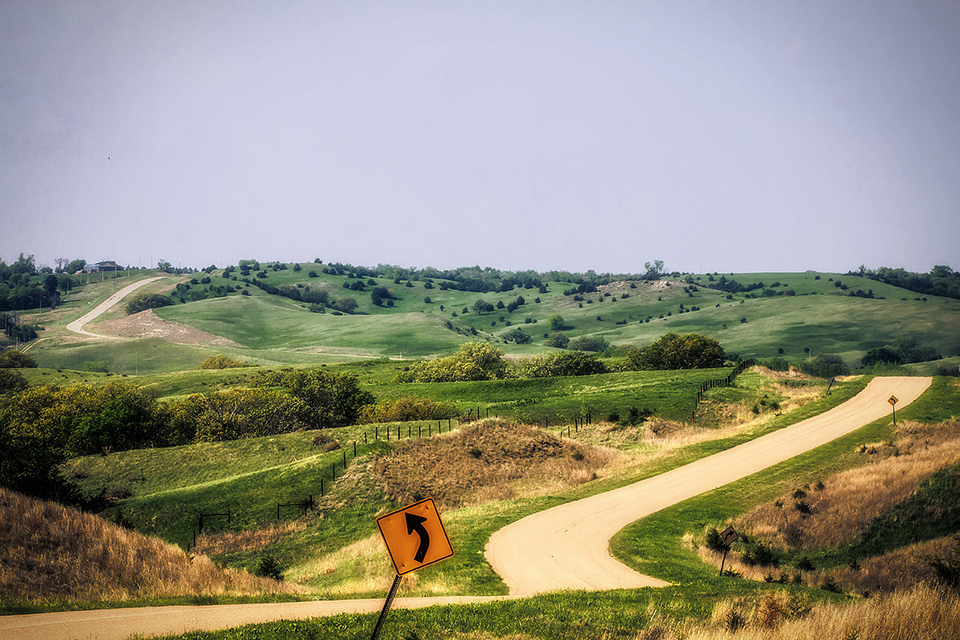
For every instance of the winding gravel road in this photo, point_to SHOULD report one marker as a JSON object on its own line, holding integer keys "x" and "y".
{"x": 77, "y": 325}
{"x": 565, "y": 547}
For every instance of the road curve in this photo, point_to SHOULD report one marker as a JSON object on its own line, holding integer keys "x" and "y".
{"x": 77, "y": 325}
{"x": 566, "y": 547}
{"x": 119, "y": 624}
{"x": 561, "y": 548}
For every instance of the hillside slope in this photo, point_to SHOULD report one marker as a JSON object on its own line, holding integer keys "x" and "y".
{"x": 50, "y": 552}
{"x": 798, "y": 313}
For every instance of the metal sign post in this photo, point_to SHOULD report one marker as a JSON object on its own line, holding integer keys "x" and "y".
{"x": 729, "y": 536}
{"x": 893, "y": 403}
{"x": 415, "y": 539}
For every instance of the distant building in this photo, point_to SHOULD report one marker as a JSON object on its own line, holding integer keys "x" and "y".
{"x": 101, "y": 267}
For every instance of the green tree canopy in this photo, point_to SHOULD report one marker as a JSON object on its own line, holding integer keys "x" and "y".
{"x": 672, "y": 351}
{"x": 145, "y": 301}
{"x": 474, "y": 361}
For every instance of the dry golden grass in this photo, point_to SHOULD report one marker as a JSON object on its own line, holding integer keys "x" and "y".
{"x": 851, "y": 499}
{"x": 922, "y": 613}
{"x": 51, "y": 552}
{"x": 491, "y": 460}
{"x": 224, "y": 542}
{"x": 897, "y": 570}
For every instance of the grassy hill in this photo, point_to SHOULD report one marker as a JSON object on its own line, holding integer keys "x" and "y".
{"x": 332, "y": 550}
{"x": 804, "y": 314}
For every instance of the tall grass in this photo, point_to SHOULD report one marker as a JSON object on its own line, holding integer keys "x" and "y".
{"x": 833, "y": 513}
{"x": 921, "y": 613}
{"x": 51, "y": 552}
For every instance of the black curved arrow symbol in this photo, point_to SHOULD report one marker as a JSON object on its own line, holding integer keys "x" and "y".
{"x": 415, "y": 523}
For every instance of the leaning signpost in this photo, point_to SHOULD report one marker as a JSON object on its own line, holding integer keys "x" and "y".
{"x": 729, "y": 536}
{"x": 415, "y": 539}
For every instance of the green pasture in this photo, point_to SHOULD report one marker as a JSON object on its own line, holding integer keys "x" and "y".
{"x": 271, "y": 330}
{"x": 171, "y": 487}
{"x": 653, "y": 545}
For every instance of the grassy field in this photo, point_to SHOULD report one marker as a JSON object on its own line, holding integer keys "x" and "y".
{"x": 698, "y": 605}
{"x": 169, "y": 488}
{"x": 272, "y": 330}
{"x": 334, "y": 551}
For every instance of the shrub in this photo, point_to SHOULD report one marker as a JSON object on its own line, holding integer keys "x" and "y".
{"x": 269, "y": 567}
{"x": 516, "y": 335}
{"x": 575, "y": 363}
{"x": 145, "y": 301}
{"x": 474, "y": 361}
{"x": 13, "y": 359}
{"x": 589, "y": 343}
{"x": 221, "y": 361}
{"x": 825, "y": 365}
{"x": 407, "y": 409}
{"x": 671, "y": 351}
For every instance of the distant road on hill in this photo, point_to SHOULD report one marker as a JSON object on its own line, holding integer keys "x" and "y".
{"x": 77, "y": 325}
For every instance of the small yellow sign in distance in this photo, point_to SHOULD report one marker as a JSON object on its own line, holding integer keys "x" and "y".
{"x": 893, "y": 400}
{"x": 415, "y": 536}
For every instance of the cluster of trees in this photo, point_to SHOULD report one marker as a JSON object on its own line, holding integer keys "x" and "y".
{"x": 673, "y": 351}
{"x": 41, "y": 427}
{"x": 407, "y": 409}
{"x": 904, "y": 350}
{"x": 570, "y": 363}
{"x": 144, "y": 301}
{"x": 941, "y": 281}
{"x": 221, "y": 361}
{"x": 732, "y": 286}
{"x": 474, "y": 361}
{"x": 19, "y": 289}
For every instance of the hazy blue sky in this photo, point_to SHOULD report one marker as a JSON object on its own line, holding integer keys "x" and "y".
{"x": 728, "y": 136}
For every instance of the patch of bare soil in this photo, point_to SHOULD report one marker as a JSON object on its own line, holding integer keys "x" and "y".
{"x": 492, "y": 460}
{"x": 147, "y": 324}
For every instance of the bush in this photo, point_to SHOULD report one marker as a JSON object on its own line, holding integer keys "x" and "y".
{"x": 557, "y": 340}
{"x": 825, "y": 365}
{"x": 474, "y": 361}
{"x": 406, "y": 410}
{"x": 269, "y": 567}
{"x": 589, "y": 343}
{"x": 146, "y": 301}
{"x": 516, "y": 335}
{"x": 221, "y": 361}
{"x": 575, "y": 363}
{"x": 13, "y": 359}
{"x": 671, "y": 351}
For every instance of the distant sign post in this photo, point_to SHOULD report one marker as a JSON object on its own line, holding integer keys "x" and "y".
{"x": 729, "y": 536}
{"x": 893, "y": 403}
{"x": 415, "y": 538}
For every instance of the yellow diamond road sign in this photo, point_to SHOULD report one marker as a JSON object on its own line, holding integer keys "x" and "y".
{"x": 415, "y": 536}
{"x": 893, "y": 400}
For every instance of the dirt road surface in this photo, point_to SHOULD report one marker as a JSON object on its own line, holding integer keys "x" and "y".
{"x": 566, "y": 547}
{"x": 119, "y": 624}
{"x": 77, "y": 325}
{"x": 562, "y": 548}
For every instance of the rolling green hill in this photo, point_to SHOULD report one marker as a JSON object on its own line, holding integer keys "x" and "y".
{"x": 803, "y": 314}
